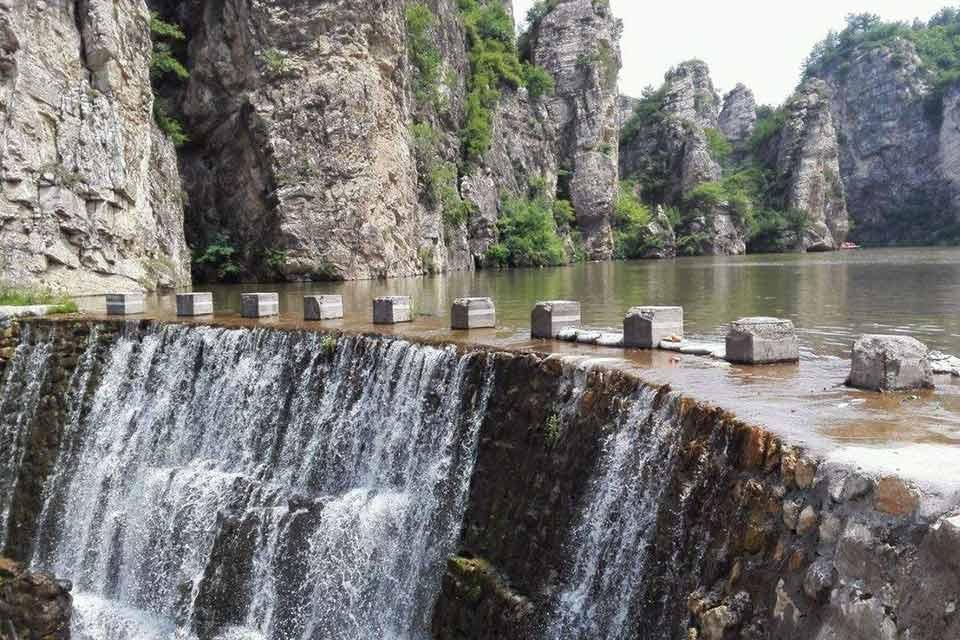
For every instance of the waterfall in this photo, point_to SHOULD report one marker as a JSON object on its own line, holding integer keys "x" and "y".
{"x": 609, "y": 546}
{"x": 265, "y": 484}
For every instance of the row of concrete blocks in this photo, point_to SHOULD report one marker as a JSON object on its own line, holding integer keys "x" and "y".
{"x": 880, "y": 362}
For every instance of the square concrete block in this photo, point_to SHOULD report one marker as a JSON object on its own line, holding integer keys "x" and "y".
{"x": 259, "y": 305}
{"x": 194, "y": 304}
{"x": 762, "y": 341}
{"x": 392, "y": 310}
{"x": 553, "y": 316}
{"x": 647, "y": 327}
{"x": 124, "y": 304}
{"x": 890, "y": 363}
{"x": 322, "y": 307}
{"x": 473, "y": 313}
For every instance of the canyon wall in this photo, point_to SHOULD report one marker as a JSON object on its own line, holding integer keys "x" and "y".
{"x": 91, "y": 195}
{"x": 564, "y": 500}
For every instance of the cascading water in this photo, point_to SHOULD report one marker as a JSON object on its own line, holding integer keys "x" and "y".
{"x": 258, "y": 484}
{"x": 617, "y": 525}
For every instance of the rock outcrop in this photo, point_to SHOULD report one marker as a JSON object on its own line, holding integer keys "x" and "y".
{"x": 33, "y": 605}
{"x": 739, "y": 114}
{"x": 899, "y": 146}
{"x": 807, "y": 162}
{"x": 669, "y": 153}
{"x": 91, "y": 196}
{"x": 578, "y": 43}
{"x": 300, "y": 119}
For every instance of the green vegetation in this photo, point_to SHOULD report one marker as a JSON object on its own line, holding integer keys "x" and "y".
{"x": 770, "y": 122}
{"x": 631, "y": 217}
{"x": 552, "y": 431}
{"x": 328, "y": 344}
{"x": 494, "y": 62}
{"x": 424, "y": 54}
{"x": 165, "y": 67}
{"x": 219, "y": 259}
{"x": 528, "y": 235}
{"x": 18, "y": 296}
{"x": 937, "y": 42}
{"x": 719, "y": 147}
{"x": 277, "y": 61}
{"x": 439, "y": 177}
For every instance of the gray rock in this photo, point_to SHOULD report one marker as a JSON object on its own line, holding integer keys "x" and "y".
{"x": 762, "y": 341}
{"x": 473, "y": 313}
{"x": 194, "y": 304}
{"x": 392, "y": 310}
{"x": 806, "y": 521}
{"x": 610, "y": 340}
{"x": 123, "y": 304}
{"x": 791, "y": 513}
{"x": 647, "y": 327}
{"x": 942, "y": 363}
{"x": 808, "y": 159}
{"x": 259, "y": 305}
{"x": 739, "y": 114}
{"x": 819, "y": 578}
{"x": 90, "y": 193}
{"x": 890, "y": 363}
{"x": 549, "y": 318}
{"x": 588, "y": 337}
{"x": 322, "y": 307}
{"x": 715, "y": 622}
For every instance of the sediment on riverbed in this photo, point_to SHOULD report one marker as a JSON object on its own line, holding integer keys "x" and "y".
{"x": 535, "y": 496}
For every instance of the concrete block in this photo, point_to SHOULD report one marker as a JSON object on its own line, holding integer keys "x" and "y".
{"x": 647, "y": 327}
{"x": 322, "y": 307}
{"x": 890, "y": 363}
{"x": 194, "y": 304}
{"x": 762, "y": 341}
{"x": 553, "y": 316}
{"x": 473, "y": 313}
{"x": 259, "y": 305}
{"x": 392, "y": 310}
{"x": 124, "y": 304}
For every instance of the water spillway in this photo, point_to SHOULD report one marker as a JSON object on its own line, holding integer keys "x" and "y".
{"x": 214, "y": 482}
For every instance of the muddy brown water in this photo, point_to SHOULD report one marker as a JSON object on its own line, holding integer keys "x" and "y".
{"x": 832, "y": 298}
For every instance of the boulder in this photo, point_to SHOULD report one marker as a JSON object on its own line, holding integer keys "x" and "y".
{"x": 890, "y": 363}
{"x": 392, "y": 310}
{"x": 259, "y": 305}
{"x": 647, "y": 327}
{"x": 473, "y": 313}
{"x": 322, "y": 307}
{"x": 550, "y": 318}
{"x": 762, "y": 341}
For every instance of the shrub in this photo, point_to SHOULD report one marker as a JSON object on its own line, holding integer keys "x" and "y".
{"x": 539, "y": 83}
{"x": 528, "y": 235}
{"x": 219, "y": 257}
{"x": 19, "y": 296}
{"x": 631, "y": 217}
{"x": 719, "y": 147}
{"x": 564, "y": 214}
{"x": 165, "y": 65}
{"x": 170, "y": 126}
{"x": 770, "y": 122}
{"x": 424, "y": 54}
{"x": 275, "y": 60}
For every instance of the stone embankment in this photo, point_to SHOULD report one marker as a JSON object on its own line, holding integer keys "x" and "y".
{"x": 751, "y": 537}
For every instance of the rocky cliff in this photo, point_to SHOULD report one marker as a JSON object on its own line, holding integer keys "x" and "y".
{"x": 739, "y": 114}
{"x": 91, "y": 195}
{"x": 32, "y": 604}
{"x": 807, "y": 163}
{"x": 666, "y": 147}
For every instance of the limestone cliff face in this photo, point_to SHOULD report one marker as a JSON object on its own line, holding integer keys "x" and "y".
{"x": 897, "y": 161}
{"x": 808, "y": 163}
{"x": 739, "y": 114}
{"x": 578, "y": 44}
{"x": 91, "y": 197}
{"x": 299, "y": 113}
{"x": 670, "y": 150}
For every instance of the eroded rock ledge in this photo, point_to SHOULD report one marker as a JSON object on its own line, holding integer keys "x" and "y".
{"x": 33, "y": 605}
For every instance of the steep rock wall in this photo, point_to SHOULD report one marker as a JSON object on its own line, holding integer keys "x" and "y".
{"x": 808, "y": 163}
{"x": 739, "y": 114}
{"x": 91, "y": 196}
{"x": 299, "y": 115}
{"x": 896, "y": 160}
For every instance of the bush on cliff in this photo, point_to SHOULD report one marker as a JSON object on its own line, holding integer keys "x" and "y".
{"x": 424, "y": 54}
{"x": 527, "y": 235}
{"x": 166, "y": 68}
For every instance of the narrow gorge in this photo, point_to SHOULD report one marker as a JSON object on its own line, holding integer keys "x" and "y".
{"x": 209, "y": 482}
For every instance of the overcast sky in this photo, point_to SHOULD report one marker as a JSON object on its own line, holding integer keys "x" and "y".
{"x": 759, "y": 43}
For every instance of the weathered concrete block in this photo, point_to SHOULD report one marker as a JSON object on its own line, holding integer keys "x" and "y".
{"x": 762, "y": 341}
{"x": 194, "y": 304}
{"x": 890, "y": 363}
{"x": 647, "y": 327}
{"x": 259, "y": 305}
{"x": 553, "y": 316}
{"x": 473, "y": 313}
{"x": 324, "y": 307}
{"x": 124, "y": 304}
{"x": 392, "y": 310}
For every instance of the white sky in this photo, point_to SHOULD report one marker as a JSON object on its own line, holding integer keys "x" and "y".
{"x": 759, "y": 43}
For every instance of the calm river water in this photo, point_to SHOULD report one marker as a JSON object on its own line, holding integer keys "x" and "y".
{"x": 831, "y": 297}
